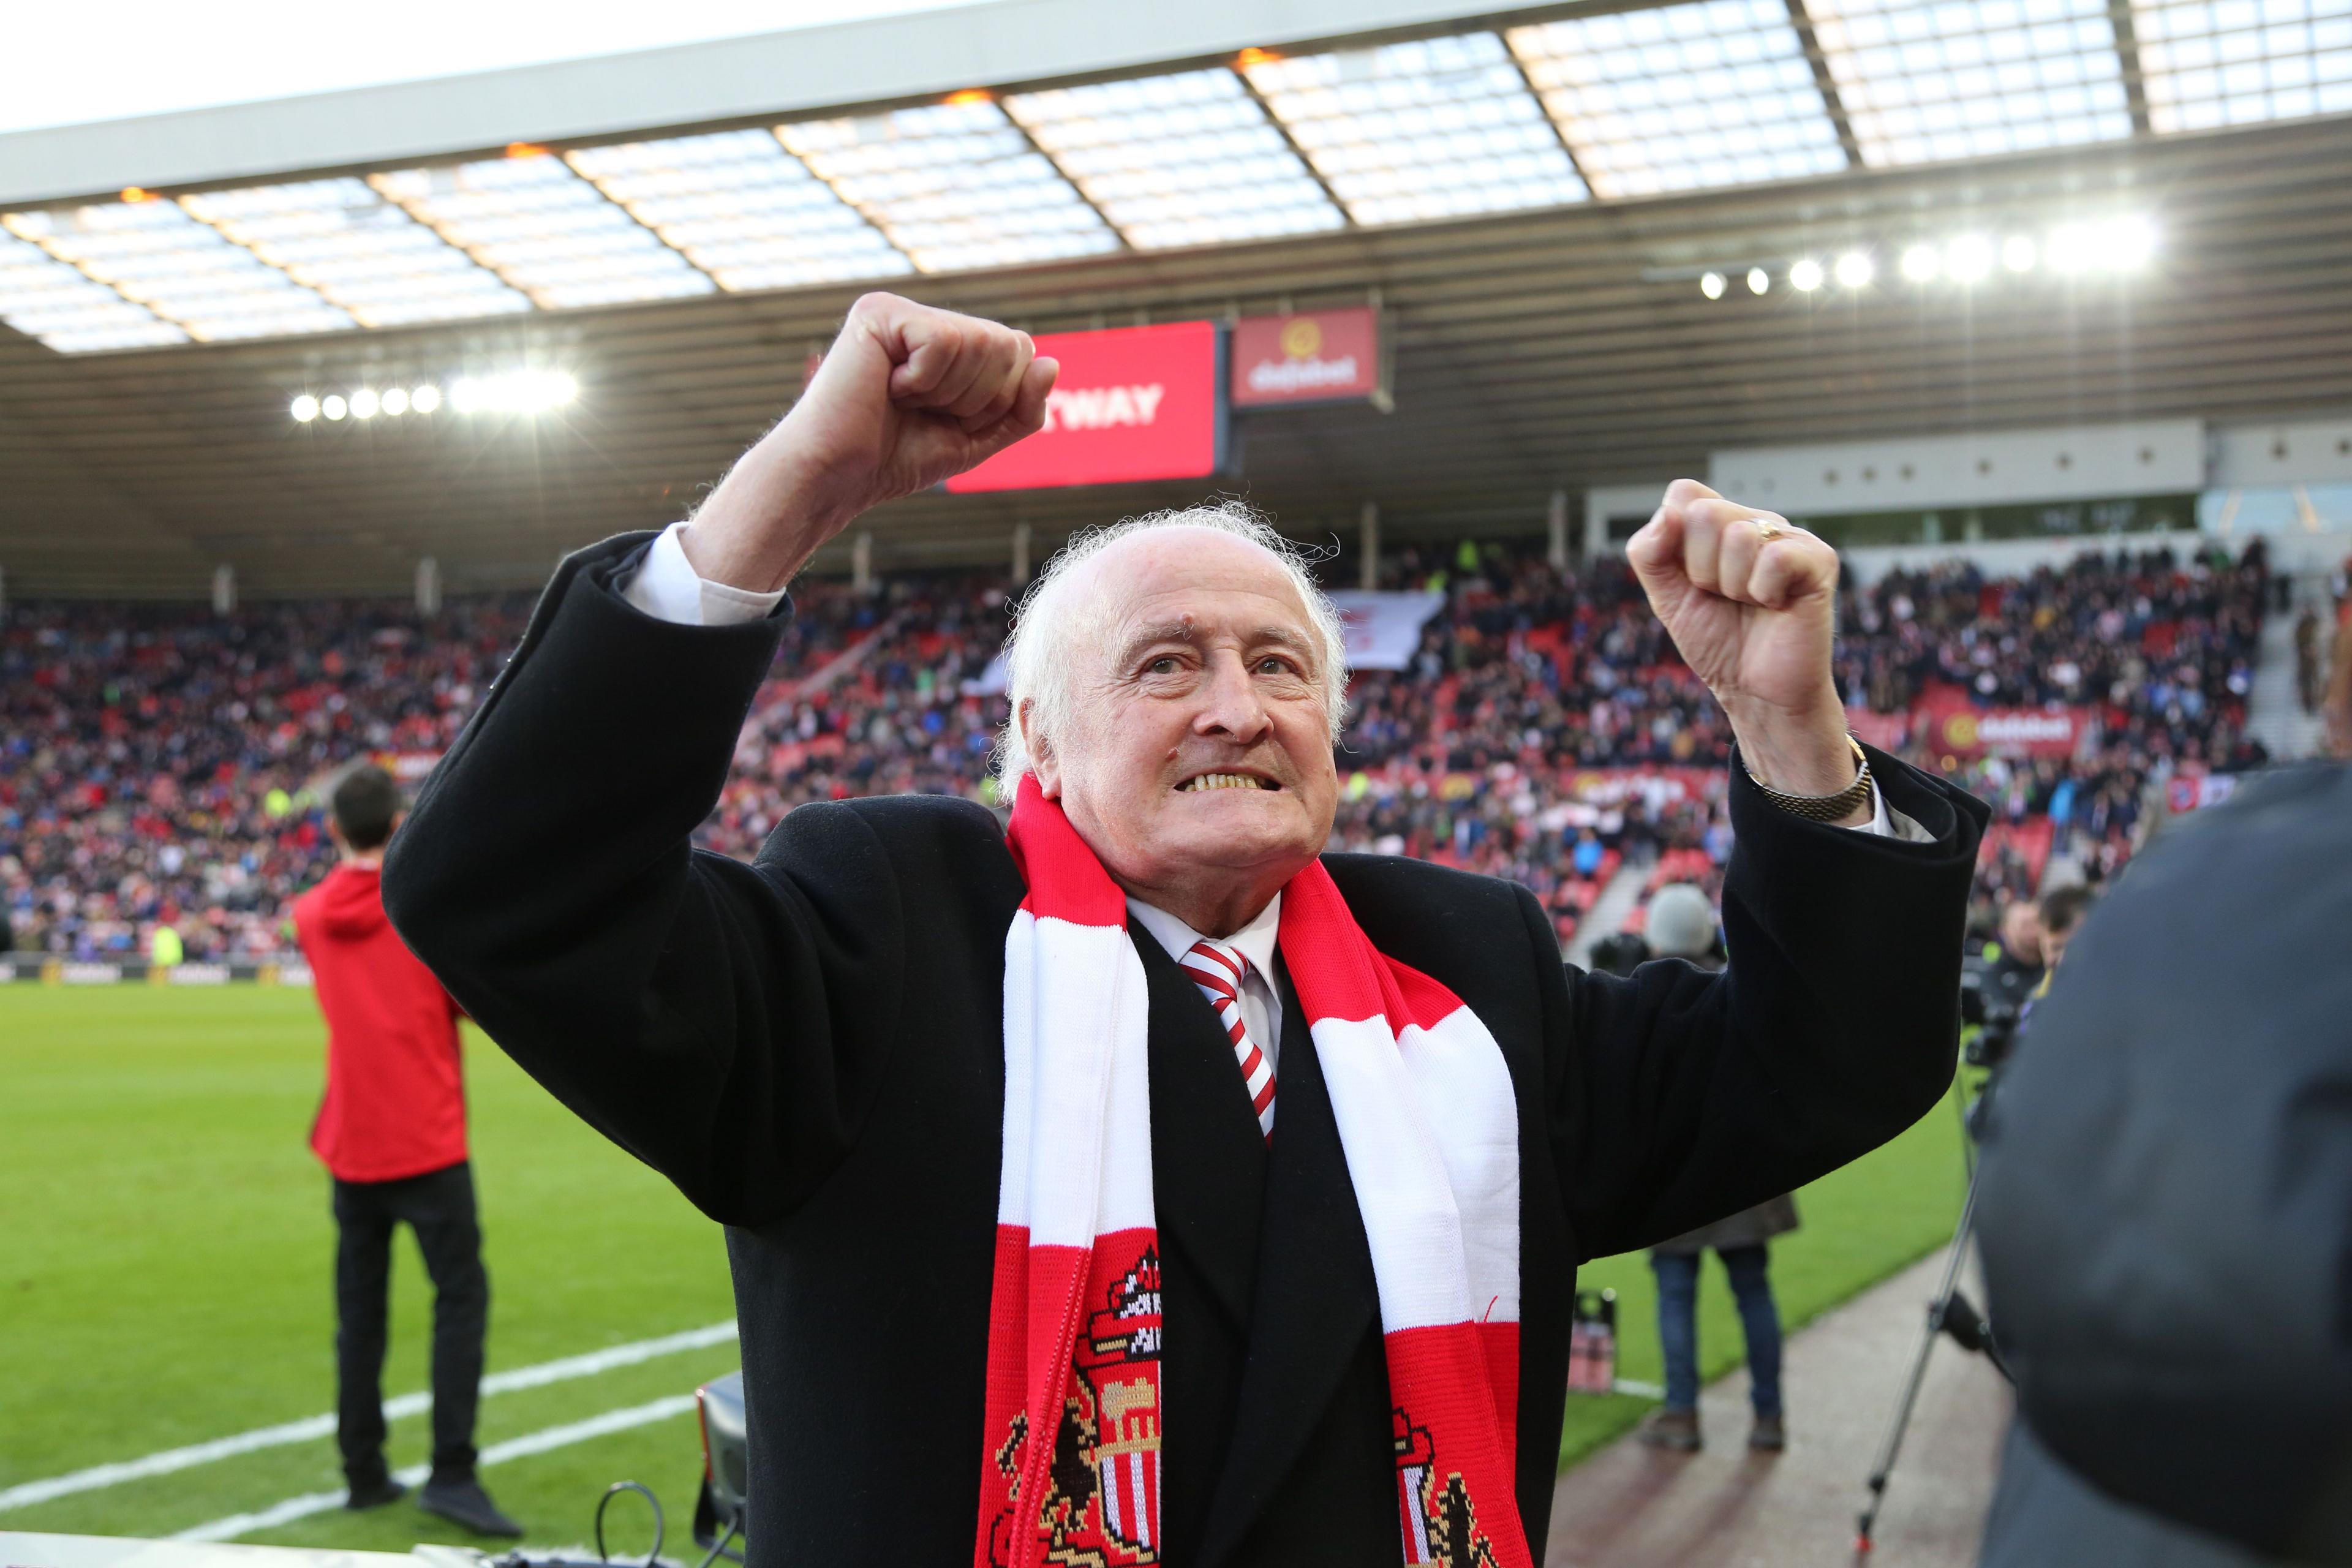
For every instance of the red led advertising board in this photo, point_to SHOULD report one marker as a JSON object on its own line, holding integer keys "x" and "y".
{"x": 1132, "y": 402}
{"x": 1315, "y": 356}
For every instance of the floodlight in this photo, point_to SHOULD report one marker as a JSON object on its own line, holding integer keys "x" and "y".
{"x": 364, "y": 403}
{"x": 2071, "y": 248}
{"x": 1855, "y": 269}
{"x": 1711, "y": 285}
{"x": 513, "y": 391}
{"x": 425, "y": 398}
{"x": 1969, "y": 258}
{"x": 396, "y": 401}
{"x": 1805, "y": 276}
{"x": 305, "y": 409}
{"x": 1921, "y": 263}
{"x": 333, "y": 407}
{"x": 2129, "y": 241}
{"x": 1759, "y": 281}
{"x": 2017, "y": 253}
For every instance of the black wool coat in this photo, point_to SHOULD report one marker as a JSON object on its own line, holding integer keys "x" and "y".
{"x": 810, "y": 1047}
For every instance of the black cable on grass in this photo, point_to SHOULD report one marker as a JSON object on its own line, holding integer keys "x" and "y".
{"x": 653, "y": 1556}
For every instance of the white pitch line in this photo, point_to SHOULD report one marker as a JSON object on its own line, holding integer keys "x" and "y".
{"x": 540, "y": 1442}
{"x": 315, "y": 1426}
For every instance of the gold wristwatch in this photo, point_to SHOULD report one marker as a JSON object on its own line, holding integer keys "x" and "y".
{"x": 1824, "y": 807}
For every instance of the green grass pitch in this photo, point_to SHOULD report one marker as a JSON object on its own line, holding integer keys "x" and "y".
{"x": 166, "y": 1277}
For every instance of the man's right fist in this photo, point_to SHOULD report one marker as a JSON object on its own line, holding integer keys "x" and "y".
{"x": 906, "y": 396}
{"x": 909, "y": 395}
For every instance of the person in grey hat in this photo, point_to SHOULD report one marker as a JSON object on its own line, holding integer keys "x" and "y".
{"x": 1682, "y": 925}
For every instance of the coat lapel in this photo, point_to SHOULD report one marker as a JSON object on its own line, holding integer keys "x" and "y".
{"x": 1315, "y": 1294}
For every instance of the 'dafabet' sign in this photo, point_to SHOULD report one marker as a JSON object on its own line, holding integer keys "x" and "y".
{"x": 1315, "y": 356}
{"x": 2030, "y": 732}
{"x": 1132, "y": 403}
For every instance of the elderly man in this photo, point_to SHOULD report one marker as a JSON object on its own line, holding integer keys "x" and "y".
{"x": 1142, "y": 1186}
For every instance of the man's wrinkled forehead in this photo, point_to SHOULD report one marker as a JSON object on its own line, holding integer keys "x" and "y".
{"x": 1188, "y": 583}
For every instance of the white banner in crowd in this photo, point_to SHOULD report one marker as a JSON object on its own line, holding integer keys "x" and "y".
{"x": 1385, "y": 629}
{"x": 989, "y": 682}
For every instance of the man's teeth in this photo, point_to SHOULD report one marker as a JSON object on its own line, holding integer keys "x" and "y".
{"x": 1222, "y": 780}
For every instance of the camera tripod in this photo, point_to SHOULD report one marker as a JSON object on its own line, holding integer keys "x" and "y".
{"x": 1950, "y": 1312}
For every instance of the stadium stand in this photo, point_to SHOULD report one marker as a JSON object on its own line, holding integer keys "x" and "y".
{"x": 154, "y": 759}
{"x": 2160, "y": 651}
{"x": 158, "y": 764}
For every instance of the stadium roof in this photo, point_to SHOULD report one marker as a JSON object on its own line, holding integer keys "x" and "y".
{"x": 1533, "y": 197}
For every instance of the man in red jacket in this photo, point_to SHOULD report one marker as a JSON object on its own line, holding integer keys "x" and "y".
{"x": 391, "y": 1133}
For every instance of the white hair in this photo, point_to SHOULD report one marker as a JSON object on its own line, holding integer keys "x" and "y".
{"x": 1044, "y": 656}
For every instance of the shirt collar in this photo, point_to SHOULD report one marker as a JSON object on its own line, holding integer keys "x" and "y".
{"x": 1256, "y": 940}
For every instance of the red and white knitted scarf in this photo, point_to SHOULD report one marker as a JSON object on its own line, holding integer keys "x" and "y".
{"x": 1429, "y": 1130}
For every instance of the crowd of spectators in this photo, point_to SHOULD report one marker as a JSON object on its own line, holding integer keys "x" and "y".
{"x": 156, "y": 760}
{"x": 2160, "y": 649}
{"x": 160, "y": 766}
{"x": 1478, "y": 753}
{"x": 2163, "y": 648}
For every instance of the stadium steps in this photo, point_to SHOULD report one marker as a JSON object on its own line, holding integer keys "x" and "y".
{"x": 2274, "y": 713}
{"x": 1606, "y": 915}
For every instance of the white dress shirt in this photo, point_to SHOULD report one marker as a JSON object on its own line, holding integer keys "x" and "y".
{"x": 669, "y": 588}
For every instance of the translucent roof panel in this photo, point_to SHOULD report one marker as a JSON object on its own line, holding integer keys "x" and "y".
{"x": 359, "y": 251}
{"x": 1683, "y": 96}
{"x": 1925, "y": 80}
{"x": 545, "y": 230}
{"x": 1435, "y": 129}
{"x": 741, "y": 209}
{"x": 151, "y": 252}
{"x": 2209, "y": 63}
{"x": 1187, "y": 159}
{"x": 43, "y": 298}
{"x": 955, "y": 185}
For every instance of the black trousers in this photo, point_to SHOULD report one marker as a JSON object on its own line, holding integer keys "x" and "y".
{"x": 439, "y": 1207}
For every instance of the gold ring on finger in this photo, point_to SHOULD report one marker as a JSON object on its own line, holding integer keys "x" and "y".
{"x": 1769, "y": 529}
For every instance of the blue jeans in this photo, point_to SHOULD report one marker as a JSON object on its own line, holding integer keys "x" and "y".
{"x": 1678, "y": 1325}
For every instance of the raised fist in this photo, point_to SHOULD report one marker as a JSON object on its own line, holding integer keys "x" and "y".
{"x": 1751, "y": 601}
{"x": 906, "y": 396}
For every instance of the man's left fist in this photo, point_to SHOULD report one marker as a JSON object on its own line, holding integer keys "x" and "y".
{"x": 1751, "y": 603}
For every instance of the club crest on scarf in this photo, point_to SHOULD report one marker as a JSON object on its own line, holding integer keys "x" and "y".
{"x": 1118, "y": 1362}
{"x": 1101, "y": 1507}
{"x": 1440, "y": 1523}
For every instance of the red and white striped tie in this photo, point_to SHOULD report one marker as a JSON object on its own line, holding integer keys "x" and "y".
{"x": 1218, "y": 969}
